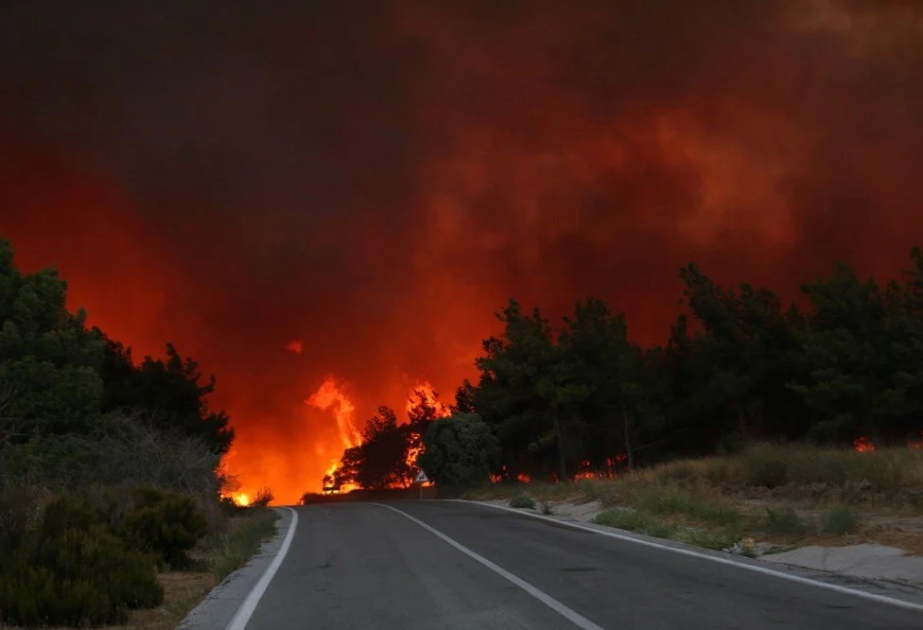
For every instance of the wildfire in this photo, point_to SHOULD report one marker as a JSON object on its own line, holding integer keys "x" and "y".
{"x": 863, "y": 444}
{"x": 423, "y": 393}
{"x": 330, "y": 396}
{"x": 916, "y": 444}
{"x": 242, "y": 499}
{"x": 295, "y": 347}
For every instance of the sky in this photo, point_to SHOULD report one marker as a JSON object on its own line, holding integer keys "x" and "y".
{"x": 373, "y": 180}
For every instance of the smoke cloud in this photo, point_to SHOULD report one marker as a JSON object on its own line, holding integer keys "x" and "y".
{"x": 374, "y": 179}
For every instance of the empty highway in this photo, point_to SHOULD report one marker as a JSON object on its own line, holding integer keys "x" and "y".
{"x": 437, "y": 564}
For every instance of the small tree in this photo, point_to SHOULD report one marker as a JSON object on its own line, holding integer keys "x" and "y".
{"x": 459, "y": 451}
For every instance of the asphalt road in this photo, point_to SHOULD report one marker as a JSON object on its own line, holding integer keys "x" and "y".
{"x": 365, "y": 566}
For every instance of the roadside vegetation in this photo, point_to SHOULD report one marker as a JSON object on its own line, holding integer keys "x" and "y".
{"x": 784, "y": 495}
{"x": 110, "y": 475}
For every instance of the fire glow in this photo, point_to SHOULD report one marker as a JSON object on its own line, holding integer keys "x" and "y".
{"x": 559, "y": 181}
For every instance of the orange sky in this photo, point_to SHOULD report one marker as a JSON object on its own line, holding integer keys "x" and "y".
{"x": 374, "y": 181}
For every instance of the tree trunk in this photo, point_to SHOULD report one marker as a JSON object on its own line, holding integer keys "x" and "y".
{"x": 562, "y": 456}
{"x": 631, "y": 457}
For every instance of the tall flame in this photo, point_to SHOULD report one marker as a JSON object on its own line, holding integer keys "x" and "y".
{"x": 423, "y": 393}
{"x": 330, "y": 396}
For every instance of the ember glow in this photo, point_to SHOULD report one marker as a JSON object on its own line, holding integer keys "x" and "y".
{"x": 543, "y": 150}
{"x": 863, "y": 444}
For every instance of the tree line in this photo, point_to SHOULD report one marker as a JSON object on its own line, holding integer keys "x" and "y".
{"x": 69, "y": 393}
{"x": 580, "y": 397}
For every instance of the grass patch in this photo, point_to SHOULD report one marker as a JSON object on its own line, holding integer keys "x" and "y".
{"x": 841, "y": 520}
{"x": 716, "y": 539}
{"x": 785, "y": 522}
{"x": 522, "y": 501}
{"x": 231, "y": 549}
{"x": 627, "y": 519}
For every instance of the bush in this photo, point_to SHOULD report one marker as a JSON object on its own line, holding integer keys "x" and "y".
{"x": 20, "y": 513}
{"x": 459, "y": 452}
{"x": 263, "y": 498}
{"x": 841, "y": 520}
{"x": 165, "y": 523}
{"x": 522, "y": 501}
{"x": 77, "y": 577}
{"x": 785, "y": 521}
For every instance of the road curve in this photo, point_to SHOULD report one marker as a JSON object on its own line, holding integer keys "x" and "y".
{"x": 458, "y": 565}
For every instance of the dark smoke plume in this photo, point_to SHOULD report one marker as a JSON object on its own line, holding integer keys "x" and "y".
{"x": 376, "y": 178}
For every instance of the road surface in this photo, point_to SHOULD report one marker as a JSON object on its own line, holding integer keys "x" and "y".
{"x": 364, "y": 565}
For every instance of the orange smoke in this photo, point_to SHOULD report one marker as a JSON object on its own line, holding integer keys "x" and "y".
{"x": 295, "y": 347}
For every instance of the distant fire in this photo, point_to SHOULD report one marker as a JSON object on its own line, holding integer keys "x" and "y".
{"x": 330, "y": 396}
{"x": 242, "y": 499}
{"x": 916, "y": 444}
{"x": 295, "y": 347}
{"x": 423, "y": 393}
{"x": 863, "y": 444}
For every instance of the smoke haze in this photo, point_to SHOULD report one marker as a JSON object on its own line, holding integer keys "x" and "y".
{"x": 374, "y": 179}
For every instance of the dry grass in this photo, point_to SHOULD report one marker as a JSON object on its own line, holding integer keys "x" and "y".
{"x": 785, "y": 495}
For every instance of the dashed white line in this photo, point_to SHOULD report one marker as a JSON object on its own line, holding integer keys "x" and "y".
{"x": 571, "y": 615}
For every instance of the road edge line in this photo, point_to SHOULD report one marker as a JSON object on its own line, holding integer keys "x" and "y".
{"x": 883, "y": 599}
{"x": 571, "y": 615}
{"x": 245, "y": 611}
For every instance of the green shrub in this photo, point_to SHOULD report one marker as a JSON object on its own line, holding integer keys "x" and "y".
{"x": 165, "y": 523}
{"x": 522, "y": 501}
{"x": 77, "y": 578}
{"x": 785, "y": 521}
{"x": 20, "y": 511}
{"x": 841, "y": 520}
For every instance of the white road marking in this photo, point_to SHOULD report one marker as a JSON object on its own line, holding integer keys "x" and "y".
{"x": 576, "y": 618}
{"x": 884, "y": 599}
{"x": 242, "y": 617}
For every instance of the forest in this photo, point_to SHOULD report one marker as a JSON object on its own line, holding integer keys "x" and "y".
{"x": 576, "y": 398}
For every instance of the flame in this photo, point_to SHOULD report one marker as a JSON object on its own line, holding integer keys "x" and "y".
{"x": 296, "y": 346}
{"x": 242, "y": 499}
{"x": 916, "y": 444}
{"x": 863, "y": 444}
{"x": 523, "y": 478}
{"x": 424, "y": 393}
{"x": 330, "y": 396}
